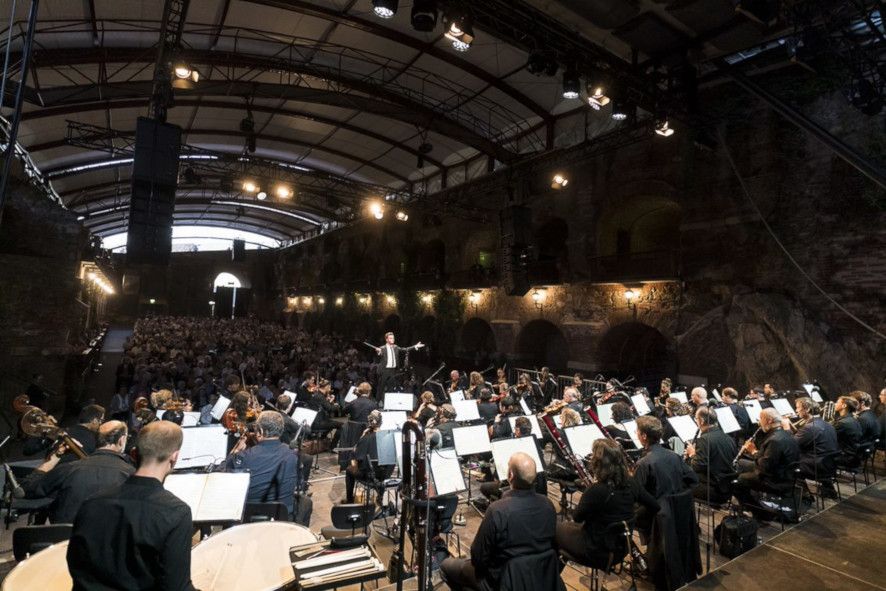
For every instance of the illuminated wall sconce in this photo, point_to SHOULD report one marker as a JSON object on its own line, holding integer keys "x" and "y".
{"x": 559, "y": 181}
{"x": 427, "y": 299}
{"x": 292, "y": 301}
{"x": 538, "y": 298}
{"x": 631, "y": 297}
{"x": 321, "y": 300}
{"x": 474, "y": 298}
{"x": 391, "y": 300}
{"x": 211, "y": 302}
{"x": 365, "y": 300}
{"x": 307, "y": 300}
{"x": 340, "y": 301}
{"x": 152, "y": 301}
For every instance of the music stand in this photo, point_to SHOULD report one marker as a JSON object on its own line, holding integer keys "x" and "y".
{"x": 754, "y": 409}
{"x": 727, "y": 420}
{"x": 525, "y": 407}
{"x": 640, "y": 404}
{"x": 685, "y": 427}
{"x": 631, "y": 428}
{"x": 468, "y": 441}
{"x": 681, "y": 396}
{"x": 604, "y": 413}
{"x": 399, "y": 401}
{"x": 218, "y": 410}
{"x": 386, "y": 447}
{"x": 533, "y": 420}
{"x": 202, "y": 446}
{"x": 446, "y": 472}
{"x": 581, "y": 438}
{"x": 392, "y": 419}
{"x": 456, "y": 395}
{"x": 783, "y": 406}
{"x": 503, "y": 449}
{"x": 466, "y": 410}
{"x": 304, "y": 416}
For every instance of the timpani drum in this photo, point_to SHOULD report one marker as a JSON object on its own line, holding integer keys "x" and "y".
{"x": 47, "y": 570}
{"x": 248, "y": 557}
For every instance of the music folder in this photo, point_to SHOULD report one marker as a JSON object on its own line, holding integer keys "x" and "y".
{"x": 466, "y": 410}
{"x": 471, "y": 440}
{"x": 392, "y": 419}
{"x": 604, "y": 413}
{"x": 503, "y": 449}
{"x": 457, "y": 395}
{"x": 218, "y": 496}
{"x": 220, "y": 407}
{"x": 399, "y": 401}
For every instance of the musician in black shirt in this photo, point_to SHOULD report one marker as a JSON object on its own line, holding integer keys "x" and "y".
{"x": 364, "y": 465}
{"x": 730, "y": 399}
{"x": 137, "y": 535}
{"x": 771, "y": 466}
{"x": 849, "y": 432}
{"x": 358, "y": 410}
{"x": 609, "y": 500}
{"x": 486, "y": 407}
{"x": 711, "y": 457}
{"x": 522, "y": 523}
{"x": 870, "y": 430}
{"x": 817, "y": 441}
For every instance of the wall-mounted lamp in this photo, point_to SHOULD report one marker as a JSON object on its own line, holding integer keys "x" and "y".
{"x": 321, "y": 300}
{"x": 152, "y": 301}
{"x": 427, "y": 299}
{"x": 340, "y": 301}
{"x": 307, "y": 300}
{"x": 474, "y": 299}
{"x": 391, "y": 300}
{"x": 631, "y": 297}
{"x": 538, "y": 298}
{"x": 559, "y": 181}
{"x": 211, "y": 302}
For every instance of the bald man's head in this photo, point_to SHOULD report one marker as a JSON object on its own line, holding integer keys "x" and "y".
{"x": 109, "y": 434}
{"x": 521, "y": 471}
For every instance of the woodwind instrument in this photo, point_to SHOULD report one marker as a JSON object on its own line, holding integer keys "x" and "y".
{"x": 415, "y": 488}
{"x": 577, "y": 463}
{"x": 744, "y": 447}
{"x": 596, "y": 420}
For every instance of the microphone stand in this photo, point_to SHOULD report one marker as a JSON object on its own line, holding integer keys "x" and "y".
{"x": 433, "y": 375}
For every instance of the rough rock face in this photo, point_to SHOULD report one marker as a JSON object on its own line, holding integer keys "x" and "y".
{"x": 762, "y": 337}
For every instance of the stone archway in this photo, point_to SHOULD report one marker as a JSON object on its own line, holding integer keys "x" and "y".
{"x": 542, "y": 343}
{"x": 636, "y": 349}
{"x": 477, "y": 341}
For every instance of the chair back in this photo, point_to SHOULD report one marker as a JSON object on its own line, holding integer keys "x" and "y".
{"x": 33, "y": 538}
{"x": 352, "y": 516}
{"x": 258, "y": 512}
{"x": 617, "y": 538}
{"x": 532, "y": 572}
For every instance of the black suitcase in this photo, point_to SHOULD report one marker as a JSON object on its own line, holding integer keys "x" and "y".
{"x": 736, "y": 535}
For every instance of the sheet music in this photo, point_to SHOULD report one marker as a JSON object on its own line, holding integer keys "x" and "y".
{"x": 684, "y": 426}
{"x": 536, "y": 430}
{"x": 471, "y": 440}
{"x": 301, "y": 414}
{"x": 219, "y": 496}
{"x": 202, "y": 446}
{"x": 446, "y": 472}
{"x": 727, "y": 420}
{"x": 457, "y": 395}
{"x": 808, "y": 388}
{"x": 681, "y": 396}
{"x": 386, "y": 443}
{"x": 399, "y": 401}
{"x": 631, "y": 428}
{"x": 816, "y": 396}
{"x": 220, "y": 407}
{"x": 392, "y": 419}
{"x": 783, "y": 406}
{"x": 604, "y": 413}
{"x": 525, "y": 407}
{"x": 640, "y": 404}
{"x": 754, "y": 409}
{"x": 503, "y": 449}
{"x": 351, "y": 396}
{"x": 466, "y": 410}
{"x": 292, "y": 399}
{"x": 717, "y": 396}
{"x": 581, "y": 438}
{"x": 191, "y": 419}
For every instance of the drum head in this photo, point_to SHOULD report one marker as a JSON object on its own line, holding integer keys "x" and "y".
{"x": 46, "y": 570}
{"x": 248, "y": 557}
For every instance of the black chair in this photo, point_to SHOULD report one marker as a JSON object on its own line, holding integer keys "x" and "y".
{"x": 258, "y": 512}
{"x": 444, "y": 508}
{"x": 619, "y": 539}
{"x": 33, "y": 538}
{"x": 850, "y": 465}
{"x": 35, "y": 509}
{"x": 347, "y": 519}
{"x": 532, "y": 572}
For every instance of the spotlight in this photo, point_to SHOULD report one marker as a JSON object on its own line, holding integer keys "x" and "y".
{"x": 283, "y": 192}
{"x": 459, "y": 29}
{"x": 195, "y": 76}
{"x": 571, "y": 84}
{"x": 377, "y": 210}
{"x": 559, "y": 181}
{"x": 261, "y": 195}
{"x": 182, "y": 70}
{"x": 250, "y": 186}
{"x": 80, "y": 218}
{"x": 662, "y": 127}
{"x": 385, "y": 8}
{"x": 424, "y": 15}
{"x": 597, "y": 97}
{"x": 402, "y": 216}
{"x": 620, "y": 109}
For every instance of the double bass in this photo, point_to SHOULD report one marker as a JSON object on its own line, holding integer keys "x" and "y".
{"x": 37, "y": 423}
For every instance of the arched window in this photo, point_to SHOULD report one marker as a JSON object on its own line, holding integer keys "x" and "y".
{"x": 226, "y": 280}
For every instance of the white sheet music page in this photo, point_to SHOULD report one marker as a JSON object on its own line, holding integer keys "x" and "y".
{"x": 457, "y": 395}
{"x": 754, "y": 409}
{"x": 816, "y": 396}
{"x": 503, "y": 449}
{"x": 581, "y": 438}
{"x": 301, "y": 414}
{"x": 351, "y": 395}
{"x": 604, "y": 413}
{"x": 631, "y": 428}
{"x": 446, "y": 472}
{"x": 808, "y": 388}
{"x": 525, "y": 407}
{"x": 681, "y": 396}
{"x": 685, "y": 427}
{"x": 188, "y": 488}
{"x": 220, "y": 407}
{"x": 399, "y": 401}
{"x": 202, "y": 446}
{"x": 466, "y": 410}
{"x": 727, "y": 420}
{"x": 223, "y": 497}
{"x": 471, "y": 440}
{"x": 783, "y": 406}
{"x": 533, "y": 420}
{"x": 640, "y": 404}
{"x": 392, "y": 419}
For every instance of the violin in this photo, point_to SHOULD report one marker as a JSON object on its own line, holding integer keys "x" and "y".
{"x": 243, "y": 429}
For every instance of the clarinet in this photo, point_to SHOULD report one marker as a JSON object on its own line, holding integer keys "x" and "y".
{"x": 741, "y": 450}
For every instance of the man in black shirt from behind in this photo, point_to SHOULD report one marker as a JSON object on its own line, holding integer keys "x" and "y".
{"x": 70, "y": 484}
{"x": 522, "y": 523}
{"x": 137, "y": 535}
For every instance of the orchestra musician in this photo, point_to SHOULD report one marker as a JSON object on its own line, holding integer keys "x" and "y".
{"x": 522, "y": 390}
{"x": 358, "y": 409}
{"x": 426, "y": 410}
{"x": 501, "y": 376}
{"x": 711, "y": 458}
{"x": 579, "y": 385}
{"x": 610, "y": 499}
{"x": 770, "y": 466}
{"x": 621, "y": 413}
{"x": 817, "y": 441}
{"x": 487, "y": 408}
{"x": 521, "y": 523}
{"x": 361, "y": 466}
{"x": 569, "y": 418}
{"x": 476, "y": 384}
{"x": 571, "y": 398}
{"x": 390, "y": 362}
{"x": 698, "y": 397}
{"x": 548, "y": 386}
{"x": 84, "y": 433}
{"x": 493, "y": 490}
{"x": 290, "y": 427}
{"x": 456, "y": 382}
{"x": 730, "y": 399}
{"x": 849, "y": 433}
{"x": 274, "y": 468}
{"x": 136, "y": 535}
{"x": 323, "y": 401}
{"x": 870, "y": 430}
{"x": 444, "y": 422}
{"x": 501, "y": 426}
{"x": 71, "y": 483}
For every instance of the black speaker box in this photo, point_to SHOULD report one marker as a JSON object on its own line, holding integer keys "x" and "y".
{"x": 238, "y": 252}
{"x": 516, "y": 235}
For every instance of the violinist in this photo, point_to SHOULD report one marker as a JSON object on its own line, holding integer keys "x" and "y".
{"x": 323, "y": 401}
{"x": 621, "y": 413}
{"x": 475, "y": 385}
{"x": 444, "y": 422}
{"x": 487, "y": 408}
{"x": 570, "y": 397}
{"x": 548, "y": 386}
{"x": 523, "y": 389}
{"x": 501, "y": 426}
{"x": 456, "y": 382}
{"x": 610, "y": 499}
{"x": 426, "y": 410}
{"x": 501, "y": 377}
{"x": 290, "y": 427}
{"x": 273, "y": 467}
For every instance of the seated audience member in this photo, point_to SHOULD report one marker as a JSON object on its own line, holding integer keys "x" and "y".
{"x": 522, "y": 523}
{"x": 711, "y": 457}
{"x": 771, "y": 468}
{"x": 274, "y": 474}
{"x": 71, "y": 483}
{"x": 136, "y": 535}
{"x": 609, "y": 500}
{"x": 849, "y": 431}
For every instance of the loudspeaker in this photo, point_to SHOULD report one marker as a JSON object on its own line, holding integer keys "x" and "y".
{"x": 516, "y": 231}
{"x": 238, "y": 252}
{"x": 154, "y": 183}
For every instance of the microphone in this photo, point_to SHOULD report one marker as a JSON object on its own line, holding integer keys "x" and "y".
{"x": 433, "y": 438}
{"x": 17, "y": 491}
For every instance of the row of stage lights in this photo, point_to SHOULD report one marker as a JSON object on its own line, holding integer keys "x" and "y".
{"x": 377, "y": 210}
{"x": 100, "y": 282}
{"x": 281, "y": 190}
{"x": 458, "y": 21}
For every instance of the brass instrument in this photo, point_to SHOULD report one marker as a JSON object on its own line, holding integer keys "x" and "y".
{"x": 828, "y": 413}
{"x": 37, "y": 423}
{"x": 797, "y": 425}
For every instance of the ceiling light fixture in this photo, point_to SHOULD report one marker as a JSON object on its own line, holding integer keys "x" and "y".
{"x": 250, "y": 186}
{"x": 571, "y": 84}
{"x": 424, "y": 15}
{"x": 662, "y": 127}
{"x": 283, "y": 192}
{"x": 459, "y": 28}
{"x": 261, "y": 195}
{"x": 377, "y": 210}
{"x": 620, "y": 109}
{"x": 385, "y": 8}
{"x": 182, "y": 70}
{"x": 597, "y": 97}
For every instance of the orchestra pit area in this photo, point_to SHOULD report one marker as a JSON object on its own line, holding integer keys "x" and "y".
{"x": 442, "y": 295}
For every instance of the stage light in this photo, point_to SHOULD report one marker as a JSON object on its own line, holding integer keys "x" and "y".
{"x": 402, "y": 216}
{"x": 597, "y": 97}
{"x": 571, "y": 84}
{"x": 385, "y": 8}
{"x": 182, "y": 70}
{"x": 152, "y": 301}
{"x": 261, "y": 195}
{"x": 662, "y": 127}
{"x": 424, "y": 15}
{"x": 321, "y": 300}
{"x": 538, "y": 298}
{"x": 195, "y": 76}
{"x": 620, "y": 109}
{"x": 459, "y": 27}
{"x": 340, "y": 301}
{"x": 80, "y": 218}
{"x": 377, "y": 210}
{"x": 211, "y": 302}
{"x": 283, "y": 192}
{"x": 391, "y": 299}
{"x": 559, "y": 181}
{"x": 250, "y": 186}
{"x": 460, "y": 46}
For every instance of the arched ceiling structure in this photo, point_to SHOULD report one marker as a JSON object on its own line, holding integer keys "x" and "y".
{"x": 345, "y": 106}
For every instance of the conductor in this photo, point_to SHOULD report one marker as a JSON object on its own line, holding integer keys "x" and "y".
{"x": 390, "y": 363}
